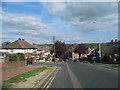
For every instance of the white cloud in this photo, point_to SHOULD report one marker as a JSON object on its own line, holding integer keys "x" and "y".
{"x": 32, "y": 27}
{"x": 81, "y": 15}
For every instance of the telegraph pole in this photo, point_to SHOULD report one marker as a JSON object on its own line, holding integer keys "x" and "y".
{"x": 54, "y": 45}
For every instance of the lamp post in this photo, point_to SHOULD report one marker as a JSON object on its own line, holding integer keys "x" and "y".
{"x": 99, "y": 40}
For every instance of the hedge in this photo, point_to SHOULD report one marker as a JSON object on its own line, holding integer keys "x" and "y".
{"x": 15, "y": 57}
{"x": 12, "y": 57}
{"x": 21, "y": 56}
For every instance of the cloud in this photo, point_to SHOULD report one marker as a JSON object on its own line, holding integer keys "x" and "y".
{"x": 24, "y": 25}
{"x": 81, "y": 14}
{"x": 14, "y": 25}
{"x": 22, "y": 22}
{"x": 68, "y": 16}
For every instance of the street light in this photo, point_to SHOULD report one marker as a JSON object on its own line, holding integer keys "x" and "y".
{"x": 99, "y": 39}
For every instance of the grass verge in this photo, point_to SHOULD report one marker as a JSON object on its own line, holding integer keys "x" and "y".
{"x": 116, "y": 66}
{"x": 58, "y": 61}
{"x": 22, "y": 77}
{"x": 98, "y": 63}
{"x": 50, "y": 65}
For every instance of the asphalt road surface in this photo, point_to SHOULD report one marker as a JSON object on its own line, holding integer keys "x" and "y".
{"x": 79, "y": 75}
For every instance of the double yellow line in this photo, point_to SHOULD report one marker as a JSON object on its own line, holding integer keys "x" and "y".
{"x": 48, "y": 83}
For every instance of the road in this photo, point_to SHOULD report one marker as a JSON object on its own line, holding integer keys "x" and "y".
{"x": 80, "y": 75}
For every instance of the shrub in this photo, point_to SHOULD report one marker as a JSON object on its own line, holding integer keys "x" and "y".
{"x": 84, "y": 59}
{"x": 106, "y": 58}
{"x": 118, "y": 59}
{"x": 12, "y": 57}
{"x": 21, "y": 56}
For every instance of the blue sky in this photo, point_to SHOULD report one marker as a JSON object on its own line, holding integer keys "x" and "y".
{"x": 38, "y": 22}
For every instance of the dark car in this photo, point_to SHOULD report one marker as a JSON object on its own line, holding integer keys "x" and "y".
{"x": 75, "y": 60}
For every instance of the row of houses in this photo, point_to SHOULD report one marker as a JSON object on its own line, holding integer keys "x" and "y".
{"x": 22, "y": 46}
{"x": 89, "y": 52}
{"x": 115, "y": 43}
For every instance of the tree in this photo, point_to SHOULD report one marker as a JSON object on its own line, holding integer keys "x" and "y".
{"x": 60, "y": 49}
{"x": 5, "y": 43}
{"x": 80, "y": 49}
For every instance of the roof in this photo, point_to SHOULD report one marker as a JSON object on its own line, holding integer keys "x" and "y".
{"x": 41, "y": 48}
{"x": 38, "y": 47}
{"x": 19, "y": 44}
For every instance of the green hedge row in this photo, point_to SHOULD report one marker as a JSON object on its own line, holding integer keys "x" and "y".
{"x": 15, "y": 57}
{"x": 110, "y": 58}
{"x": 21, "y": 56}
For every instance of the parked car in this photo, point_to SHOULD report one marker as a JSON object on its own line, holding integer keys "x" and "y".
{"x": 76, "y": 60}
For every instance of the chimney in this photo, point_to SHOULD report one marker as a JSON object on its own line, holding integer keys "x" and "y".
{"x": 19, "y": 39}
{"x": 115, "y": 40}
{"x": 112, "y": 41}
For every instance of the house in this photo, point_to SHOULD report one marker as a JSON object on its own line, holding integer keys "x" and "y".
{"x": 115, "y": 43}
{"x": 19, "y": 46}
{"x": 43, "y": 51}
{"x": 76, "y": 55}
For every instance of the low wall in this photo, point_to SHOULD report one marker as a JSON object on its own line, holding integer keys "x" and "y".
{"x": 12, "y": 65}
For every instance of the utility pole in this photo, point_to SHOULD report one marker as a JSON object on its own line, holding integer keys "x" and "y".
{"x": 99, "y": 42}
{"x": 54, "y": 45}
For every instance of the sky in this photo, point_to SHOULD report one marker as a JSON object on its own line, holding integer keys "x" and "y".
{"x": 69, "y": 22}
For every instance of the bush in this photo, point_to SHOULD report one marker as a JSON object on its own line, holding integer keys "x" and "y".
{"x": 12, "y": 57}
{"x": 21, "y": 56}
{"x": 118, "y": 59}
{"x": 106, "y": 58}
{"x": 84, "y": 59}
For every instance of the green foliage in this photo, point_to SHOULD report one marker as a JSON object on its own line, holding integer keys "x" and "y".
{"x": 50, "y": 65}
{"x": 6, "y": 85}
{"x": 108, "y": 49}
{"x": 48, "y": 56}
{"x": 12, "y": 57}
{"x": 106, "y": 58}
{"x": 116, "y": 66}
{"x": 84, "y": 59}
{"x": 5, "y": 43}
{"x": 118, "y": 59}
{"x": 58, "y": 61}
{"x": 21, "y": 56}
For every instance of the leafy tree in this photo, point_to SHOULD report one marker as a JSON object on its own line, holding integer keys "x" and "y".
{"x": 60, "y": 49}
{"x": 80, "y": 49}
{"x": 5, "y": 43}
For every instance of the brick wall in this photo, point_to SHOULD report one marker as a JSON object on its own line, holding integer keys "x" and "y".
{"x": 12, "y": 65}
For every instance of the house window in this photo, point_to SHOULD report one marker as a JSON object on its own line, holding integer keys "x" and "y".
{"x": 11, "y": 50}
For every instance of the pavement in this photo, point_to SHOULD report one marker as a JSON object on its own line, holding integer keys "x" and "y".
{"x": 80, "y": 75}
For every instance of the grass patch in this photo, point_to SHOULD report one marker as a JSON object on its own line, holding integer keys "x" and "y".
{"x": 6, "y": 85}
{"x": 58, "y": 61}
{"x": 116, "y": 66}
{"x": 22, "y": 77}
{"x": 50, "y": 65}
{"x": 87, "y": 62}
{"x": 97, "y": 63}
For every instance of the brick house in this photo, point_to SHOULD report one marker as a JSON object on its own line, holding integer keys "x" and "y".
{"x": 76, "y": 55}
